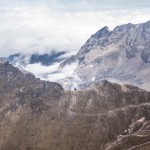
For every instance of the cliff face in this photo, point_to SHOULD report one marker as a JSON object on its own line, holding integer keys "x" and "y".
{"x": 40, "y": 115}
{"x": 122, "y": 54}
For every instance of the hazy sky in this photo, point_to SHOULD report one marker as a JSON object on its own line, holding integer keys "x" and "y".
{"x": 42, "y": 25}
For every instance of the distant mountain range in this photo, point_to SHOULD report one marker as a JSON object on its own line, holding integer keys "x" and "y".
{"x": 44, "y": 59}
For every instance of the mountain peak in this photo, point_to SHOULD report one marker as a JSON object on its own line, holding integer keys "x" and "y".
{"x": 104, "y": 29}
{"x": 147, "y": 22}
{"x": 124, "y": 27}
{"x": 101, "y": 32}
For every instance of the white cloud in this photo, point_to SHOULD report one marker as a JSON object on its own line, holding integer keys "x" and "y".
{"x": 40, "y": 71}
{"x": 67, "y": 72}
{"x": 39, "y": 26}
{"x": 55, "y": 74}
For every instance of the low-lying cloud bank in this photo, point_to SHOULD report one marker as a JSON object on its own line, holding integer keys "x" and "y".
{"x": 53, "y": 72}
{"x": 66, "y": 75}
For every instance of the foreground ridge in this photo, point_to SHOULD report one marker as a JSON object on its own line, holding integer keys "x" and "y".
{"x": 37, "y": 115}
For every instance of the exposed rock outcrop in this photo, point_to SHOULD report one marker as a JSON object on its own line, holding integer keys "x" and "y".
{"x": 138, "y": 139}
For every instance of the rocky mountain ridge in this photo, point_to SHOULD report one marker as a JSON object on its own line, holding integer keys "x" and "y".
{"x": 41, "y": 115}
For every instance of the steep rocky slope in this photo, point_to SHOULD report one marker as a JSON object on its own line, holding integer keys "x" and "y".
{"x": 40, "y": 115}
{"x": 122, "y": 54}
{"x": 136, "y": 137}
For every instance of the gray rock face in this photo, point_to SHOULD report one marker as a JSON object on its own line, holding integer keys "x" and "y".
{"x": 2, "y": 61}
{"x": 122, "y": 54}
{"x": 146, "y": 55}
{"x": 69, "y": 61}
{"x": 102, "y": 35}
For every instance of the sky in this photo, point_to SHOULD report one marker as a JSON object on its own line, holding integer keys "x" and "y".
{"x": 40, "y": 26}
